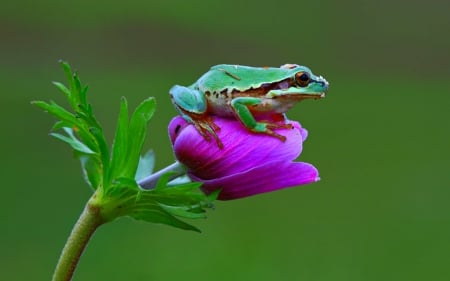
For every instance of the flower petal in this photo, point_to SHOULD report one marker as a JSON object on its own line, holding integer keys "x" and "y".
{"x": 265, "y": 178}
{"x": 176, "y": 126}
{"x": 242, "y": 149}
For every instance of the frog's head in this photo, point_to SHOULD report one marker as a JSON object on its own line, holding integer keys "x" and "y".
{"x": 302, "y": 83}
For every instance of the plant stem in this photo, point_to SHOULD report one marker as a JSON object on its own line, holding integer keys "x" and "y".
{"x": 90, "y": 219}
{"x": 176, "y": 169}
{"x": 86, "y": 225}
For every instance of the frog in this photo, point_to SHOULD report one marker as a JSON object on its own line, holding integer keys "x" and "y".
{"x": 258, "y": 97}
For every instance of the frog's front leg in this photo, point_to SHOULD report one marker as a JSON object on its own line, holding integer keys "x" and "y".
{"x": 192, "y": 106}
{"x": 241, "y": 106}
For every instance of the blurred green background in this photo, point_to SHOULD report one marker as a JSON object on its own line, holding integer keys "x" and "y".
{"x": 381, "y": 138}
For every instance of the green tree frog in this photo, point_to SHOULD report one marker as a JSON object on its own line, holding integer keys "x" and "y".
{"x": 256, "y": 96}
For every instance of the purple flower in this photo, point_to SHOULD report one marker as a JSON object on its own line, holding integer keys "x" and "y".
{"x": 248, "y": 164}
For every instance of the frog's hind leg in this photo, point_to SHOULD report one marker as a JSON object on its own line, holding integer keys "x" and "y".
{"x": 241, "y": 108}
{"x": 192, "y": 106}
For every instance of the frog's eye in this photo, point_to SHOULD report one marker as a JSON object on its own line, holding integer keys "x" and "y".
{"x": 302, "y": 79}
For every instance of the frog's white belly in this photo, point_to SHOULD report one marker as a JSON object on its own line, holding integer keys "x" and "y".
{"x": 274, "y": 105}
{"x": 220, "y": 104}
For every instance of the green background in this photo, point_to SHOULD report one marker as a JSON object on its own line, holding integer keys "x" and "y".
{"x": 380, "y": 138}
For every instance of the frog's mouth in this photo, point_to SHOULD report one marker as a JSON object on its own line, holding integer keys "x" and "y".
{"x": 295, "y": 93}
{"x": 288, "y": 88}
{"x": 295, "y": 96}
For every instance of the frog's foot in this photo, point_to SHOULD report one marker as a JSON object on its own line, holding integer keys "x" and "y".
{"x": 241, "y": 109}
{"x": 206, "y": 127}
{"x": 268, "y": 128}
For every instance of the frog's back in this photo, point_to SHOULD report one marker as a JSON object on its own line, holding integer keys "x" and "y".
{"x": 226, "y": 77}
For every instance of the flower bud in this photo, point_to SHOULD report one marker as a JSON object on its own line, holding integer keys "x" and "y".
{"x": 248, "y": 164}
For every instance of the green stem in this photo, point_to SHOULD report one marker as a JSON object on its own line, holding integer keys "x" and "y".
{"x": 85, "y": 227}
{"x": 91, "y": 218}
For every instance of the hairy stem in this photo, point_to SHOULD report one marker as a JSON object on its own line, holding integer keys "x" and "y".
{"x": 83, "y": 230}
{"x": 176, "y": 169}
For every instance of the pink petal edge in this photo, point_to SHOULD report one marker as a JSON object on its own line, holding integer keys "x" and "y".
{"x": 265, "y": 178}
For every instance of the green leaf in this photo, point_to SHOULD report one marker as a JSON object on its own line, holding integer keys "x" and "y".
{"x": 185, "y": 212}
{"x": 145, "y": 166}
{"x": 62, "y": 88}
{"x": 77, "y": 88}
{"x": 83, "y": 93}
{"x": 149, "y": 209}
{"x": 123, "y": 189}
{"x": 69, "y": 120}
{"x": 59, "y": 125}
{"x": 57, "y": 111}
{"x": 73, "y": 141}
{"x": 84, "y": 133}
{"x": 92, "y": 170}
{"x": 119, "y": 152}
{"x": 127, "y": 199}
{"x": 164, "y": 205}
{"x": 163, "y": 181}
{"x": 157, "y": 214}
{"x": 102, "y": 147}
{"x": 116, "y": 173}
{"x": 72, "y": 97}
{"x": 137, "y": 133}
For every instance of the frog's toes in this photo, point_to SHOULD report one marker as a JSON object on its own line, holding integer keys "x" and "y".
{"x": 268, "y": 128}
{"x": 207, "y": 128}
{"x": 213, "y": 125}
{"x": 286, "y": 126}
{"x": 269, "y": 131}
{"x": 202, "y": 131}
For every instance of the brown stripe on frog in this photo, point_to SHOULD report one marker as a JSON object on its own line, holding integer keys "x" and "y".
{"x": 264, "y": 89}
{"x": 222, "y": 94}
